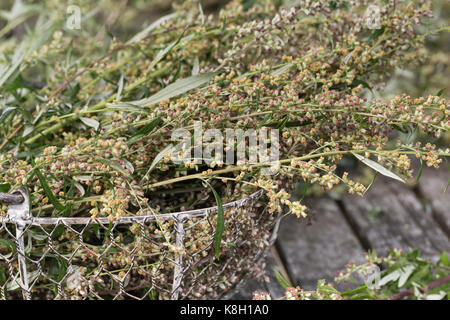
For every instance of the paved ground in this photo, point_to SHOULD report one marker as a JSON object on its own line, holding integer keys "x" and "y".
{"x": 390, "y": 215}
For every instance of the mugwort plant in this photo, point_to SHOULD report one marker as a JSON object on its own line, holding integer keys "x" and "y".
{"x": 103, "y": 122}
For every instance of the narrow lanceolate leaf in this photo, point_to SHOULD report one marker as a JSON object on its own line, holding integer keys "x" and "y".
{"x": 149, "y": 127}
{"x": 6, "y": 112}
{"x": 80, "y": 188}
{"x": 128, "y": 165}
{"x": 141, "y": 35}
{"x": 371, "y": 182}
{"x": 90, "y": 123}
{"x": 175, "y": 89}
{"x": 14, "y": 283}
{"x": 281, "y": 70}
{"x": 125, "y": 107}
{"x": 281, "y": 280}
{"x": 419, "y": 174}
{"x": 220, "y": 224}
{"x": 18, "y": 57}
{"x": 377, "y": 167}
{"x": 4, "y": 187}
{"x": 375, "y": 34}
{"x": 161, "y": 54}
{"x": 120, "y": 87}
{"x": 196, "y": 66}
{"x": 202, "y": 15}
{"x": 48, "y": 191}
{"x": 440, "y": 92}
{"x": 446, "y": 187}
{"x": 448, "y": 184}
{"x": 145, "y": 130}
{"x": 159, "y": 157}
{"x": 115, "y": 165}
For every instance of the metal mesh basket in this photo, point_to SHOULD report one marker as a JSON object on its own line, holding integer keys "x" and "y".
{"x": 164, "y": 256}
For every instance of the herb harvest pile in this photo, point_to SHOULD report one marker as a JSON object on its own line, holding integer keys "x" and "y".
{"x": 306, "y": 69}
{"x": 90, "y": 141}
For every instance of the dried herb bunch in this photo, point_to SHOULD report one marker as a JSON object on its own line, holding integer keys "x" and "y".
{"x": 88, "y": 135}
{"x": 302, "y": 73}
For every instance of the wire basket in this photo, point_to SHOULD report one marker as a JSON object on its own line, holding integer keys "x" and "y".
{"x": 164, "y": 256}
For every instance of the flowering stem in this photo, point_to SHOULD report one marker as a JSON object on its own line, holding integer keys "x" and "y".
{"x": 303, "y": 158}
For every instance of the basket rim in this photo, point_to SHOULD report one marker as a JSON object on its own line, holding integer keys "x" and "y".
{"x": 37, "y": 221}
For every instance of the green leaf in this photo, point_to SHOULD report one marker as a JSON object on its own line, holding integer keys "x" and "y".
{"x": 51, "y": 197}
{"x": 11, "y": 246}
{"x": 115, "y": 165}
{"x": 125, "y": 107}
{"x": 375, "y": 34}
{"x": 247, "y": 4}
{"x": 80, "y": 188}
{"x": 108, "y": 32}
{"x": 281, "y": 280}
{"x": 141, "y": 35}
{"x": 62, "y": 268}
{"x": 74, "y": 92}
{"x": 13, "y": 284}
{"x": 16, "y": 82}
{"x": 281, "y": 70}
{"x": 148, "y": 127}
{"x": 6, "y": 112}
{"x": 108, "y": 231}
{"x": 220, "y": 223}
{"x": 161, "y": 54}
{"x": 372, "y": 182}
{"x": 377, "y": 167}
{"x": 444, "y": 259}
{"x": 446, "y": 187}
{"x": 202, "y": 15}
{"x": 2, "y": 277}
{"x": 120, "y": 87}
{"x": 58, "y": 231}
{"x": 39, "y": 236}
{"x": 5, "y": 187}
{"x": 401, "y": 129}
{"x": 18, "y": 57}
{"x": 324, "y": 288}
{"x": 357, "y": 82}
{"x": 266, "y": 120}
{"x": 440, "y": 92}
{"x": 27, "y": 130}
{"x": 129, "y": 166}
{"x": 305, "y": 189}
{"x": 419, "y": 174}
{"x": 68, "y": 204}
{"x": 159, "y": 157}
{"x": 175, "y": 89}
